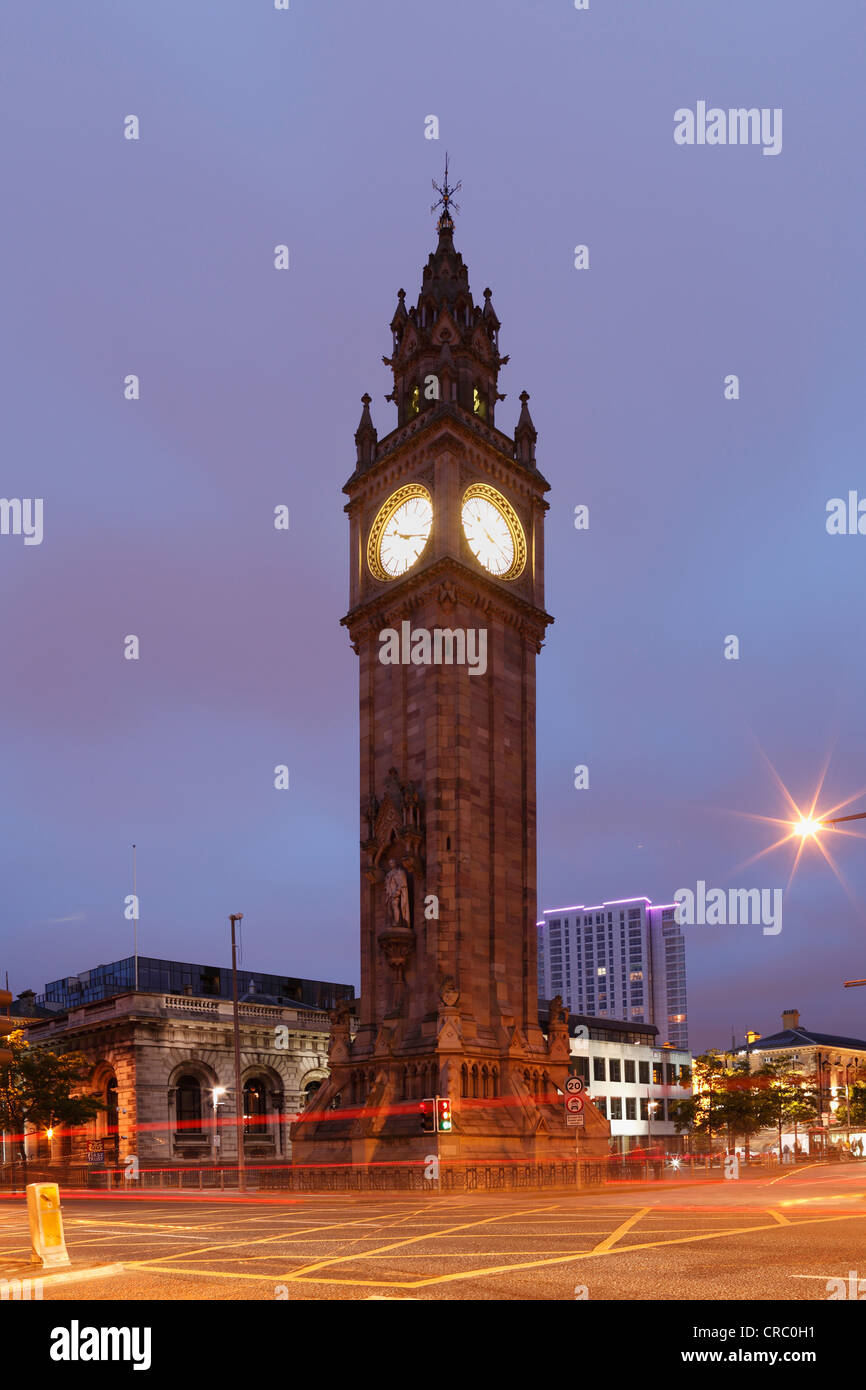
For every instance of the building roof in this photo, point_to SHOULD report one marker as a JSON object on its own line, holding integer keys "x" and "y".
{"x": 789, "y": 1038}
{"x": 615, "y": 1026}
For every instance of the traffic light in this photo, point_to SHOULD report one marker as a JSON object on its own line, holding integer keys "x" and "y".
{"x": 428, "y": 1116}
{"x": 443, "y": 1114}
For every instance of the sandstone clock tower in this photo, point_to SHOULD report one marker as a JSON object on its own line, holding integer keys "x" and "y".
{"x": 446, "y": 614}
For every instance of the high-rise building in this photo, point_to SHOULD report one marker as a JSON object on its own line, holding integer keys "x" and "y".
{"x": 623, "y": 959}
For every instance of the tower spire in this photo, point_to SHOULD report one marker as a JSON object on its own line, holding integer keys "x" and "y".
{"x": 446, "y": 200}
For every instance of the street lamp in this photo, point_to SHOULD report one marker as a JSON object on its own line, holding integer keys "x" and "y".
{"x": 239, "y": 1095}
{"x": 810, "y": 825}
{"x": 651, "y": 1107}
{"x": 218, "y": 1093}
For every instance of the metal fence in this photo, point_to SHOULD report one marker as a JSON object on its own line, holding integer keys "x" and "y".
{"x": 482, "y": 1176}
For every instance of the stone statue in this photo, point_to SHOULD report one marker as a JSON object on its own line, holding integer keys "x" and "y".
{"x": 558, "y": 1012}
{"x": 397, "y": 894}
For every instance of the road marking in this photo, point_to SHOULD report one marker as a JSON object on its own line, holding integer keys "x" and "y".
{"x": 266, "y": 1240}
{"x": 795, "y": 1173}
{"x": 777, "y": 1215}
{"x": 412, "y": 1240}
{"x": 611, "y": 1240}
{"x": 562, "y": 1259}
{"x": 180, "y": 1271}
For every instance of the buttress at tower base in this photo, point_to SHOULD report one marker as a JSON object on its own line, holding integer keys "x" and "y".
{"x": 503, "y": 1109}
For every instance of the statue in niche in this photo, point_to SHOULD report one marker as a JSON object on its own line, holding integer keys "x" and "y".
{"x": 396, "y": 895}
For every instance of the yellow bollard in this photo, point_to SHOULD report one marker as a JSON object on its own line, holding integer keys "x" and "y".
{"x": 46, "y": 1225}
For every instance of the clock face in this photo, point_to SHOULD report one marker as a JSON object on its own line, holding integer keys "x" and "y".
{"x": 493, "y": 531}
{"x": 400, "y": 532}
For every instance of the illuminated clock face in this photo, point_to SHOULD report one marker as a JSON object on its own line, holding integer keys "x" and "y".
{"x": 400, "y": 532}
{"x": 493, "y": 531}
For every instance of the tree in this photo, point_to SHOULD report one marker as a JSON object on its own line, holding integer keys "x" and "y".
{"x": 855, "y": 1113}
{"x": 786, "y": 1096}
{"x": 35, "y": 1089}
{"x": 726, "y": 1100}
{"x": 705, "y": 1111}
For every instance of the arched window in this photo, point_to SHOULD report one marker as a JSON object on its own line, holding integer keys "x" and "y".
{"x": 255, "y": 1106}
{"x": 415, "y": 400}
{"x": 111, "y": 1106}
{"x": 475, "y": 1082}
{"x": 485, "y": 1082}
{"x": 188, "y": 1104}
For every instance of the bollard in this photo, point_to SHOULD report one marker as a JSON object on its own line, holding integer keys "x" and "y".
{"x": 46, "y": 1225}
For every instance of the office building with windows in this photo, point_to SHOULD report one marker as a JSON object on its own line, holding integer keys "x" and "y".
{"x": 618, "y": 960}
{"x": 631, "y": 1080}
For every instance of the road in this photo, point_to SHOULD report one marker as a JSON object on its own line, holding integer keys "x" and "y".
{"x": 768, "y": 1237}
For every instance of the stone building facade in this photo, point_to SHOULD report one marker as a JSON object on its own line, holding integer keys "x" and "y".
{"x": 164, "y": 1067}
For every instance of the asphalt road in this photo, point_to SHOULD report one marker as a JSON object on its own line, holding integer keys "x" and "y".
{"x": 763, "y": 1237}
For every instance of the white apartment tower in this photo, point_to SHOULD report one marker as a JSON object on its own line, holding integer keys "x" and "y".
{"x": 623, "y": 959}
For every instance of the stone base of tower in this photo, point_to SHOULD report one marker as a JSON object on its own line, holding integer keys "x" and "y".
{"x": 512, "y": 1128}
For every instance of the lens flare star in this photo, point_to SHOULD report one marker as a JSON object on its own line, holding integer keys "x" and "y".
{"x": 809, "y": 826}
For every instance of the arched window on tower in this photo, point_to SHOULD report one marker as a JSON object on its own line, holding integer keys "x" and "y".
{"x": 415, "y": 400}
{"x": 479, "y": 404}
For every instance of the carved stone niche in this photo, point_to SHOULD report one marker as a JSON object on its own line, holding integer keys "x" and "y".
{"x": 394, "y": 827}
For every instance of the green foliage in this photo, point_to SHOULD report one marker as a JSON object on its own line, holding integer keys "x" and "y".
{"x": 732, "y": 1102}
{"x": 35, "y": 1088}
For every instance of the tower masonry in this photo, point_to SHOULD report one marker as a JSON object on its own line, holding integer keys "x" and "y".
{"x": 446, "y": 614}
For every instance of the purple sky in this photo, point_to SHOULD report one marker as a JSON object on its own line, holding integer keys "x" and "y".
{"x": 707, "y": 516}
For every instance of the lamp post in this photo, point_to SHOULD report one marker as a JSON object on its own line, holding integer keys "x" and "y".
{"x": 848, "y": 1066}
{"x": 239, "y": 1095}
{"x": 218, "y": 1093}
{"x": 825, "y": 1125}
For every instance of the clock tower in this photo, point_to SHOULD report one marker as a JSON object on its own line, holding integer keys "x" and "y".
{"x": 446, "y": 614}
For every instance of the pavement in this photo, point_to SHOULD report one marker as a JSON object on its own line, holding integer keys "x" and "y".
{"x": 757, "y": 1237}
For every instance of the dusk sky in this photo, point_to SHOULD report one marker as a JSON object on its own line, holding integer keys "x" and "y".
{"x": 707, "y": 516}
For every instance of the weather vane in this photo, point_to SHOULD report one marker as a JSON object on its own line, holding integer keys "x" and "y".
{"x": 446, "y": 196}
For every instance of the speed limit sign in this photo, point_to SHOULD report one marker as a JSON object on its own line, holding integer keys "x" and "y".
{"x": 574, "y": 1085}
